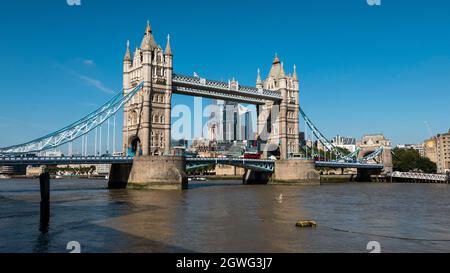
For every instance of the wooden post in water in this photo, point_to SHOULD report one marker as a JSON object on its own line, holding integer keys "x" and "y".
{"x": 44, "y": 182}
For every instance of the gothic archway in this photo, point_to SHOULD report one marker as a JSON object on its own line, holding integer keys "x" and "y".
{"x": 135, "y": 146}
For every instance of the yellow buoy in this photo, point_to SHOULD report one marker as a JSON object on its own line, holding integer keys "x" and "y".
{"x": 306, "y": 224}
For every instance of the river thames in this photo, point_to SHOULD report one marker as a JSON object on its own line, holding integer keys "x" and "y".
{"x": 225, "y": 216}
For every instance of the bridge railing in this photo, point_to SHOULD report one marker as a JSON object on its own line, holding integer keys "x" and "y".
{"x": 420, "y": 176}
{"x": 64, "y": 160}
{"x": 265, "y": 165}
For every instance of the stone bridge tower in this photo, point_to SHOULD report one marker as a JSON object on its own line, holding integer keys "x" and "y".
{"x": 371, "y": 142}
{"x": 278, "y": 123}
{"x": 146, "y": 129}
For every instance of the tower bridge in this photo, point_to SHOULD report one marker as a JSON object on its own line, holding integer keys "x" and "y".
{"x": 149, "y": 81}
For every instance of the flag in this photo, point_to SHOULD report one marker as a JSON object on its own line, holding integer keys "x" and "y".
{"x": 196, "y": 75}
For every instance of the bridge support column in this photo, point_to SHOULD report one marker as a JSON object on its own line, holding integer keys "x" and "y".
{"x": 150, "y": 172}
{"x": 295, "y": 172}
{"x": 387, "y": 160}
{"x": 365, "y": 175}
{"x": 252, "y": 177}
{"x": 158, "y": 172}
{"x": 119, "y": 175}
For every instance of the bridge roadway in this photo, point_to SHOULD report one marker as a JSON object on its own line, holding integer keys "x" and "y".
{"x": 348, "y": 165}
{"x": 265, "y": 165}
{"x": 65, "y": 160}
{"x": 256, "y": 164}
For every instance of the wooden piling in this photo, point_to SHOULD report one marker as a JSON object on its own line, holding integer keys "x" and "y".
{"x": 44, "y": 182}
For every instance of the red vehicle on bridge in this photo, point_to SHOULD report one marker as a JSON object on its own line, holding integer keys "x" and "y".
{"x": 254, "y": 155}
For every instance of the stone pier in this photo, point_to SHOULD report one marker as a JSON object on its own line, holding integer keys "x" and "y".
{"x": 150, "y": 172}
{"x": 119, "y": 175}
{"x": 294, "y": 171}
{"x": 365, "y": 175}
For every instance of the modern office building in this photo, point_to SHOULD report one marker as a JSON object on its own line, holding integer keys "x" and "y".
{"x": 348, "y": 143}
{"x": 229, "y": 121}
{"x": 417, "y": 147}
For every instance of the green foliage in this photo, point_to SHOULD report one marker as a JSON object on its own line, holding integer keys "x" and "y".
{"x": 344, "y": 151}
{"x": 73, "y": 170}
{"x": 406, "y": 160}
{"x": 201, "y": 170}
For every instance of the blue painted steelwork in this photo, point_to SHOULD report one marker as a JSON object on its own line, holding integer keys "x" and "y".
{"x": 373, "y": 155}
{"x": 252, "y": 164}
{"x": 76, "y": 129}
{"x": 64, "y": 160}
{"x": 355, "y": 165}
{"x": 331, "y": 147}
{"x": 355, "y": 154}
{"x": 191, "y": 163}
{"x": 321, "y": 137}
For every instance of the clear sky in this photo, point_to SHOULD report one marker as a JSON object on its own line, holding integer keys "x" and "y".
{"x": 363, "y": 69}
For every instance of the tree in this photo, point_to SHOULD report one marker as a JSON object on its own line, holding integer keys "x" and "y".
{"x": 407, "y": 160}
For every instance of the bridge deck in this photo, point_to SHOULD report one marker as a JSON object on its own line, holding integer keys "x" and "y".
{"x": 263, "y": 164}
{"x": 348, "y": 165}
{"x": 63, "y": 160}
{"x": 220, "y": 160}
{"x": 254, "y": 164}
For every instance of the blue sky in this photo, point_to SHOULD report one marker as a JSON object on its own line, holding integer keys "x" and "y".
{"x": 363, "y": 69}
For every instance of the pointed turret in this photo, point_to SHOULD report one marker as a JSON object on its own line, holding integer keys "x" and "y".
{"x": 282, "y": 74}
{"x": 168, "y": 50}
{"x": 148, "y": 43}
{"x": 295, "y": 77}
{"x": 259, "y": 83}
{"x": 148, "y": 30}
{"x": 127, "y": 57}
{"x": 276, "y": 60}
{"x": 276, "y": 69}
{"x": 258, "y": 79}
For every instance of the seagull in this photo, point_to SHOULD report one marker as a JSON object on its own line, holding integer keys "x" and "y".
{"x": 279, "y": 198}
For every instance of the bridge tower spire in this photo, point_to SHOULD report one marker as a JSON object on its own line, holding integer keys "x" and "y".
{"x": 127, "y": 62}
{"x": 294, "y": 76}
{"x": 259, "y": 83}
{"x": 127, "y": 57}
{"x": 168, "y": 51}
